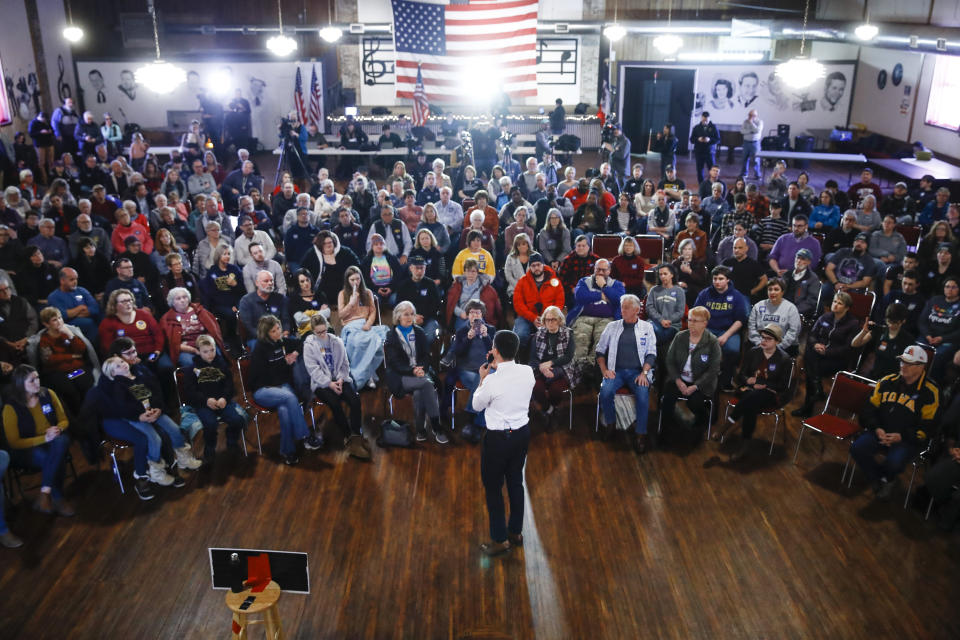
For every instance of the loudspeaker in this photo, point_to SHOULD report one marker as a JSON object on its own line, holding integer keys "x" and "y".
{"x": 580, "y": 109}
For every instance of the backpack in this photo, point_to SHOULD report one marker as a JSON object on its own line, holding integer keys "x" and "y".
{"x": 394, "y": 434}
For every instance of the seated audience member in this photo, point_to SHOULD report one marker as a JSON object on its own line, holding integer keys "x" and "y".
{"x": 924, "y": 192}
{"x": 143, "y": 269}
{"x": 425, "y": 246}
{"x": 887, "y": 245}
{"x": 474, "y": 251}
{"x": 185, "y": 239}
{"x": 19, "y": 322}
{"x": 777, "y": 311}
{"x": 471, "y": 285}
{"x": 898, "y": 418}
{"x": 515, "y": 266}
{"x": 349, "y": 232}
{"x": 691, "y": 273}
{"x": 693, "y": 364}
{"x": 536, "y": 290}
{"x": 66, "y": 360}
{"x": 939, "y": 325}
{"x": 893, "y": 279}
{"x": 429, "y": 193}
{"x": 828, "y": 349}
{"x": 431, "y": 223}
{"x": 776, "y": 186}
{"x": 93, "y": 269}
{"x": 476, "y": 224}
{"x": 728, "y": 313}
{"x": 577, "y": 265}
{"x": 886, "y": 343}
{"x": 125, "y": 280}
{"x": 394, "y": 232}
{"x": 424, "y": 294}
{"x": 407, "y": 371}
{"x": 858, "y": 192}
{"x": 793, "y": 204}
{"x": 781, "y": 257}
{"x": 596, "y": 304}
{"x": 329, "y": 261}
{"x": 164, "y": 244}
{"x": 516, "y": 200}
{"x": 491, "y": 218}
{"x": 518, "y": 226}
{"x": 410, "y": 213}
{"x": 222, "y": 288}
{"x": 841, "y": 237}
{"x": 627, "y": 355}
{"x": 551, "y": 358}
{"x": 136, "y": 393}
{"x": 725, "y": 247}
{"x": 76, "y": 304}
{"x": 183, "y": 325}
{"x": 271, "y": 378}
{"x": 326, "y": 360}
{"x": 936, "y": 209}
{"x": 177, "y": 276}
{"x": 826, "y": 215}
{"x": 126, "y": 228}
{"x": 37, "y": 278}
{"x": 122, "y": 318}
{"x": 34, "y": 424}
{"x": 327, "y": 201}
{"x": 699, "y": 237}
{"x": 662, "y": 221}
{"x": 362, "y": 338}
{"x": 630, "y": 268}
{"x": 899, "y": 204}
{"x": 554, "y": 239}
{"x": 259, "y": 262}
{"x": 850, "y": 269}
{"x": 715, "y": 207}
{"x": 769, "y": 230}
{"x": 302, "y": 203}
{"x": 910, "y": 297}
{"x": 304, "y": 303}
{"x": 589, "y": 219}
{"x": 210, "y": 391}
{"x": 264, "y": 301}
{"x": 940, "y": 233}
{"x": 206, "y": 248}
{"x": 470, "y": 347}
{"x": 54, "y": 248}
{"x": 381, "y": 271}
{"x": 943, "y": 267}
{"x": 623, "y": 217}
{"x": 868, "y": 218}
{"x": 297, "y": 240}
{"x": 939, "y": 481}
{"x": 839, "y": 197}
{"x": 666, "y": 303}
{"x": 747, "y": 275}
{"x": 731, "y": 218}
{"x": 671, "y": 184}
{"x": 761, "y": 384}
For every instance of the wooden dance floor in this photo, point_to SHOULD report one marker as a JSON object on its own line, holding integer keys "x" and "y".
{"x": 678, "y": 543}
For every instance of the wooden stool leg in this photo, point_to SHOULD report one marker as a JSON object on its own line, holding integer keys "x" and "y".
{"x": 239, "y": 626}
{"x": 274, "y": 626}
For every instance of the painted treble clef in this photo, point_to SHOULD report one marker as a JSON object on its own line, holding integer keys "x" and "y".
{"x": 63, "y": 88}
{"x": 372, "y": 69}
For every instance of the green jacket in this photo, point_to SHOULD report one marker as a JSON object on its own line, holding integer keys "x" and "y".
{"x": 704, "y": 361}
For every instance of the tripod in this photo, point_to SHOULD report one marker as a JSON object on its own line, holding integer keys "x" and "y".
{"x": 291, "y": 159}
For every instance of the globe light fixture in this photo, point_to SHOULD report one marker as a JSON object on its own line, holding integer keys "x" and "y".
{"x": 802, "y": 71}
{"x": 330, "y": 34}
{"x": 73, "y": 33}
{"x": 281, "y": 45}
{"x": 866, "y": 31}
{"x": 614, "y": 32}
{"x": 159, "y": 76}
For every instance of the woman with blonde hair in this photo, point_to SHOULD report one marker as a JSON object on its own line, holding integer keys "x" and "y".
{"x": 551, "y": 358}
{"x": 693, "y": 368}
{"x": 515, "y": 266}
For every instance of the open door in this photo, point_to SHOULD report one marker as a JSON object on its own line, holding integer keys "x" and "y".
{"x": 651, "y": 98}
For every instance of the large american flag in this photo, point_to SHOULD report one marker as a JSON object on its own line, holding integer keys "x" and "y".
{"x": 314, "y": 113}
{"x": 298, "y": 99}
{"x": 421, "y": 106}
{"x": 465, "y": 48}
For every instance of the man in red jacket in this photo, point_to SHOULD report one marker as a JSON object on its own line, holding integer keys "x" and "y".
{"x": 538, "y": 289}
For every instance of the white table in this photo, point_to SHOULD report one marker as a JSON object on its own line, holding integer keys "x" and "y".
{"x": 811, "y": 155}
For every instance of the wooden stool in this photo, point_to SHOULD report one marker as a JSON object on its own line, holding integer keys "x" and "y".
{"x": 266, "y": 603}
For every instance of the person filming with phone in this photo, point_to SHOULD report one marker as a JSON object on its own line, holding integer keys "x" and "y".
{"x": 504, "y": 395}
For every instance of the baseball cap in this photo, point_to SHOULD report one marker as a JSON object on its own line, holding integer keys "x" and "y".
{"x": 914, "y": 354}
{"x": 863, "y": 235}
{"x": 805, "y": 254}
{"x": 902, "y": 185}
{"x": 417, "y": 260}
{"x": 669, "y": 167}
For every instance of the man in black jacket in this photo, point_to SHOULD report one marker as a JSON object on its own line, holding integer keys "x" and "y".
{"x": 424, "y": 295}
{"x": 704, "y": 139}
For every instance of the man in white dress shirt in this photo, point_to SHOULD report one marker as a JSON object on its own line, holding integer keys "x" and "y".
{"x": 505, "y": 396}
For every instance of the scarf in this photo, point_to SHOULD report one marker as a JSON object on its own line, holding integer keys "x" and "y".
{"x": 571, "y": 370}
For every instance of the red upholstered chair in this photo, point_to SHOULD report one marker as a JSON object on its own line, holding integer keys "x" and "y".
{"x": 862, "y": 305}
{"x": 910, "y": 233}
{"x": 847, "y": 395}
{"x": 606, "y": 245}
{"x": 650, "y": 247}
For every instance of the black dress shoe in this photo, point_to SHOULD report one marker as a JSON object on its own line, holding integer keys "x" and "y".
{"x": 640, "y": 443}
{"x": 515, "y": 539}
{"x": 494, "y": 548}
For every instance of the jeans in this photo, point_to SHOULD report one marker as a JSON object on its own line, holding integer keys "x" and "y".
{"x": 471, "y": 380}
{"x": 425, "y": 400}
{"x": 154, "y": 432}
{"x": 293, "y": 427}
{"x": 348, "y": 397}
{"x": 431, "y": 327}
{"x": 4, "y": 463}
{"x": 731, "y": 356}
{"x": 49, "y": 457}
{"x": 664, "y": 335}
{"x": 523, "y": 328}
{"x": 865, "y": 448}
{"x": 750, "y": 150}
{"x": 124, "y": 430}
{"x": 502, "y": 458}
{"x": 231, "y": 414}
{"x": 609, "y": 388}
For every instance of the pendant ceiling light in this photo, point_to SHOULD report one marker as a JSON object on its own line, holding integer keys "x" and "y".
{"x": 669, "y": 43}
{"x": 801, "y": 72}
{"x": 159, "y": 76}
{"x": 281, "y": 45}
{"x": 330, "y": 33}
{"x": 614, "y": 31}
{"x": 72, "y": 32}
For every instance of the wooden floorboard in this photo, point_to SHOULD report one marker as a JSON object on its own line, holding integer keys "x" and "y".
{"x": 676, "y": 544}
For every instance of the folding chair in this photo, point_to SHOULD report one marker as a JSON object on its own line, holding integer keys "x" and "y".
{"x": 911, "y": 233}
{"x": 650, "y": 247}
{"x": 684, "y": 399}
{"x": 862, "y": 305}
{"x": 243, "y": 335}
{"x": 243, "y": 368}
{"x": 778, "y": 413}
{"x": 180, "y": 376}
{"x": 848, "y": 393}
{"x": 112, "y": 445}
{"x": 622, "y": 391}
{"x": 606, "y": 245}
{"x": 16, "y": 473}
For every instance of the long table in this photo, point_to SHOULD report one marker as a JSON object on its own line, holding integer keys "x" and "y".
{"x": 812, "y": 155}
{"x": 914, "y": 169}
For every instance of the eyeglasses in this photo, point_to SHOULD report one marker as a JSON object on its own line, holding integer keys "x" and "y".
{"x": 129, "y": 352}
{"x": 125, "y": 301}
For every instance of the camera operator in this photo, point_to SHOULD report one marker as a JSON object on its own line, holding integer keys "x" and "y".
{"x": 293, "y": 139}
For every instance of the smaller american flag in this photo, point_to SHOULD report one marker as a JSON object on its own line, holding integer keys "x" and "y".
{"x": 314, "y": 115}
{"x": 421, "y": 106}
{"x": 298, "y": 99}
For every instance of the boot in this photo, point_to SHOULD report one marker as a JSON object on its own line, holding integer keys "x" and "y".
{"x": 356, "y": 449}
{"x": 158, "y": 474}
{"x": 185, "y": 458}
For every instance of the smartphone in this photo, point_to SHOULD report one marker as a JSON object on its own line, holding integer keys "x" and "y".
{"x": 246, "y": 603}
{"x": 489, "y": 358}
{"x": 76, "y": 373}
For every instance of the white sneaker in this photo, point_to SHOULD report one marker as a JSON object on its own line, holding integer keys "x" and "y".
{"x": 185, "y": 459}
{"x": 158, "y": 473}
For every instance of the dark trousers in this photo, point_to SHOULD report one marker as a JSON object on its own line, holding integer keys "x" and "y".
{"x": 896, "y": 456}
{"x": 817, "y": 368}
{"x": 230, "y": 414}
{"x": 549, "y": 393}
{"x": 350, "y": 398}
{"x": 502, "y": 457}
{"x": 696, "y": 402}
{"x": 750, "y": 405}
{"x": 70, "y": 392}
{"x": 942, "y": 477}
{"x": 705, "y": 159}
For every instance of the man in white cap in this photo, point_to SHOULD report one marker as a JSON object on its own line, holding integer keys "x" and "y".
{"x": 898, "y": 417}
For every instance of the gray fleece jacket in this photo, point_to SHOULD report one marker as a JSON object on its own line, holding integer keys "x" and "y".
{"x": 320, "y": 375}
{"x": 666, "y": 304}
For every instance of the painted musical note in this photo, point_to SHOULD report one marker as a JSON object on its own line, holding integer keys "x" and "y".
{"x": 541, "y": 45}
{"x": 63, "y": 88}
{"x": 377, "y": 61}
{"x": 557, "y": 60}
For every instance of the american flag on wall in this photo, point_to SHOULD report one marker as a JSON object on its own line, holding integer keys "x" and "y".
{"x": 314, "y": 113}
{"x": 466, "y": 48}
{"x": 421, "y": 106}
{"x": 298, "y": 98}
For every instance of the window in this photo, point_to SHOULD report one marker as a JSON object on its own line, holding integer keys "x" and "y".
{"x": 944, "y": 97}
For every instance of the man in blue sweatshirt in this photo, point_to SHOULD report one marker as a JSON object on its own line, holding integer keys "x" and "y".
{"x": 728, "y": 313}
{"x": 596, "y": 304}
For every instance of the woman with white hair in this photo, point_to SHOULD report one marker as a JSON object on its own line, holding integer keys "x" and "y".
{"x": 207, "y": 248}
{"x": 407, "y": 362}
{"x": 12, "y": 196}
{"x": 327, "y": 201}
{"x": 184, "y": 323}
